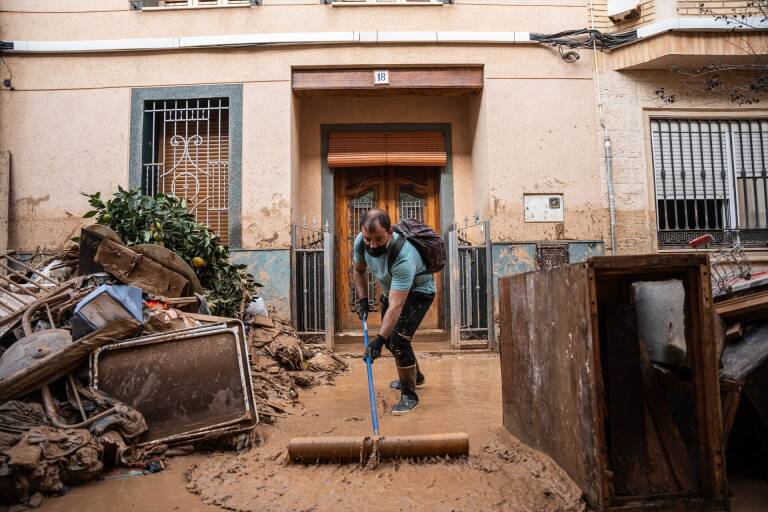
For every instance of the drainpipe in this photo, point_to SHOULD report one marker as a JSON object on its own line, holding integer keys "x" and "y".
{"x": 609, "y": 179}
{"x": 606, "y": 141}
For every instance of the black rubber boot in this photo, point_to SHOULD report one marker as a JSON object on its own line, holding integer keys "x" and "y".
{"x": 395, "y": 384}
{"x": 408, "y": 397}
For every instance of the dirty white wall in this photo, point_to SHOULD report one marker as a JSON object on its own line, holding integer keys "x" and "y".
{"x": 67, "y": 123}
{"x": 266, "y": 172}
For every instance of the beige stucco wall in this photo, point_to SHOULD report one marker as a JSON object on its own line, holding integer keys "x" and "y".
{"x": 541, "y": 139}
{"x": 629, "y": 102}
{"x": 112, "y": 19}
{"x": 67, "y": 123}
{"x": 61, "y": 144}
{"x": 717, "y": 7}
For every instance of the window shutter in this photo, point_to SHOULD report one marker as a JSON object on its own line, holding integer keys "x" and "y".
{"x": 690, "y": 156}
{"x": 750, "y": 143}
{"x": 370, "y": 149}
{"x": 356, "y": 149}
{"x": 748, "y": 138}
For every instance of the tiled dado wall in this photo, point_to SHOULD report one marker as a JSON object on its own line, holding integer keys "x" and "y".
{"x": 272, "y": 267}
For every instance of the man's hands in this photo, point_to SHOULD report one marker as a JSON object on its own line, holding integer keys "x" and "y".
{"x": 373, "y": 351}
{"x": 362, "y": 308}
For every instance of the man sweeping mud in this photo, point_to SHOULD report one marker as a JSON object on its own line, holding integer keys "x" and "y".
{"x": 402, "y": 259}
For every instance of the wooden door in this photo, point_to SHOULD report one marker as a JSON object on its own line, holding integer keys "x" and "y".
{"x": 405, "y": 192}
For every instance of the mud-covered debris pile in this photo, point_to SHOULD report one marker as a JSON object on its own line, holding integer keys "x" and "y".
{"x": 126, "y": 316}
{"x": 281, "y": 362}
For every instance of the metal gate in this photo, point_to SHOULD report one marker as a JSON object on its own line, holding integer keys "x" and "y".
{"x": 312, "y": 281}
{"x": 471, "y": 284}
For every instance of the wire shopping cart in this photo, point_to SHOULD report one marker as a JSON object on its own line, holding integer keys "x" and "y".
{"x": 728, "y": 264}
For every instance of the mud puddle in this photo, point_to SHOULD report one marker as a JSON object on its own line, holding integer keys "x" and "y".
{"x": 462, "y": 393}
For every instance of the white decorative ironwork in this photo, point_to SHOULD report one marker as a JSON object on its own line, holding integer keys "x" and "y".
{"x": 411, "y": 206}
{"x": 187, "y": 155}
{"x": 357, "y": 208}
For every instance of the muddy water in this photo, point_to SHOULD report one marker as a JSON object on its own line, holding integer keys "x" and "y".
{"x": 462, "y": 393}
{"x": 160, "y": 492}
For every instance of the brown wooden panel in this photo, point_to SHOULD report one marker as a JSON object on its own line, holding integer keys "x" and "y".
{"x": 387, "y": 185}
{"x": 548, "y": 371}
{"x": 430, "y": 81}
{"x": 416, "y": 149}
{"x": 357, "y": 149}
{"x": 374, "y": 149}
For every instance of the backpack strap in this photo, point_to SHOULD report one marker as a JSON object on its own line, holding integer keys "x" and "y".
{"x": 394, "y": 251}
{"x": 361, "y": 251}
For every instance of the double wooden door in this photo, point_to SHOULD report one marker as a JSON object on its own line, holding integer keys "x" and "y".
{"x": 404, "y": 192}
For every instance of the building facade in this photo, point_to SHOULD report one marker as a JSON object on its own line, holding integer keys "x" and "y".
{"x": 283, "y": 119}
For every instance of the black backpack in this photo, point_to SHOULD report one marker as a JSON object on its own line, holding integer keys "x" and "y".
{"x": 429, "y": 244}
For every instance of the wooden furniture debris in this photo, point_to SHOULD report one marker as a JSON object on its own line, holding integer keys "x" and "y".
{"x": 133, "y": 268}
{"x": 733, "y": 332}
{"x": 744, "y": 307}
{"x": 579, "y": 384}
{"x": 744, "y": 375}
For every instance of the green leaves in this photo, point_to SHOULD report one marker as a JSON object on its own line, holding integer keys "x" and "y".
{"x": 164, "y": 219}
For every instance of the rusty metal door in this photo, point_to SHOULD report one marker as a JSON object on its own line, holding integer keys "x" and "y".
{"x": 470, "y": 268}
{"x": 312, "y": 281}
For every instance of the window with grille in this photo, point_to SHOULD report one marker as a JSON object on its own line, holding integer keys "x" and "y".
{"x": 345, "y": 3}
{"x": 169, "y": 4}
{"x": 710, "y": 178}
{"x": 186, "y": 154}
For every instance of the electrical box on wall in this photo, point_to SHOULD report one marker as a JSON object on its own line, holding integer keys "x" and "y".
{"x": 544, "y": 207}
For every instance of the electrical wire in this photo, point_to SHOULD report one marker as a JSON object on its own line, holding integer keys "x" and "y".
{"x": 585, "y": 38}
{"x": 10, "y": 73}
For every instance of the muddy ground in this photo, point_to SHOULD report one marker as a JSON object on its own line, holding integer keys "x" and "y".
{"x": 462, "y": 393}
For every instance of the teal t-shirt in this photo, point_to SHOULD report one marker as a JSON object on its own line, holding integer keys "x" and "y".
{"x": 405, "y": 268}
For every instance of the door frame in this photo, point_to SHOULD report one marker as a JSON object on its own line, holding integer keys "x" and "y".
{"x": 445, "y": 193}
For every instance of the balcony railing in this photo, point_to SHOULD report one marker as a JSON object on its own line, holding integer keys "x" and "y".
{"x": 379, "y": 3}
{"x": 189, "y": 4}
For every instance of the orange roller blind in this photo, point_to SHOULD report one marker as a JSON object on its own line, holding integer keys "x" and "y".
{"x": 368, "y": 149}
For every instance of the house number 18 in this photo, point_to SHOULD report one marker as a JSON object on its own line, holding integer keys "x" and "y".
{"x": 381, "y": 77}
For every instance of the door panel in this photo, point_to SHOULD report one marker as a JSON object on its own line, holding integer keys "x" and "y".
{"x": 412, "y": 193}
{"x": 405, "y": 192}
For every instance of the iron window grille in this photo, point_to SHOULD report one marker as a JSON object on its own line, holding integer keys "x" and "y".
{"x": 710, "y": 177}
{"x": 187, "y": 4}
{"x": 186, "y": 154}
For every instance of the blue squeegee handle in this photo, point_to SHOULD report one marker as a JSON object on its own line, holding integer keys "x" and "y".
{"x": 371, "y": 394}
